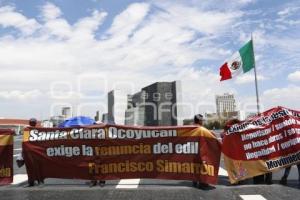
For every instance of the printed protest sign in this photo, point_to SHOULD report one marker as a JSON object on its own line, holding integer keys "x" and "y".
{"x": 262, "y": 144}
{"x": 107, "y": 152}
{"x": 6, "y": 156}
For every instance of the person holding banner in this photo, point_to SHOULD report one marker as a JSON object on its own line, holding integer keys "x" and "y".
{"x": 226, "y": 128}
{"x": 287, "y": 171}
{"x": 6, "y": 156}
{"x": 229, "y": 124}
{"x": 198, "y": 120}
{"x": 94, "y": 183}
{"x": 267, "y": 178}
{"x": 33, "y": 123}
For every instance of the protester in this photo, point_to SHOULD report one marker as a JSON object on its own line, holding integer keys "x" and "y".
{"x": 36, "y": 171}
{"x": 267, "y": 178}
{"x": 20, "y": 160}
{"x": 263, "y": 179}
{"x": 94, "y": 183}
{"x": 287, "y": 171}
{"x": 198, "y": 120}
{"x": 229, "y": 124}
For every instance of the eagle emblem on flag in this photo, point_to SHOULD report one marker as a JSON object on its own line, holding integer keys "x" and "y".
{"x": 235, "y": 65}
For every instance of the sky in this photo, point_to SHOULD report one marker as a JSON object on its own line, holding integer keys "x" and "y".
{"x": 71, "y": 53}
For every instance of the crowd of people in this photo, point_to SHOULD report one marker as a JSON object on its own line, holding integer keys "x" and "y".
{"x": 198, "y": 121}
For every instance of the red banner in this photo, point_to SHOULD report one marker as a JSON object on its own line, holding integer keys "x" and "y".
{"x": 6, "y": 156}
{"x": 262, "y": 144}
{"x": 105, "y": 152}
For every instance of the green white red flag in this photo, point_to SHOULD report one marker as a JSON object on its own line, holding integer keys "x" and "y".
{"x": 240, "y": 62}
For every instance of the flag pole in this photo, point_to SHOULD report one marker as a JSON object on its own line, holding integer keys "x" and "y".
{"x": 255, "y": 76}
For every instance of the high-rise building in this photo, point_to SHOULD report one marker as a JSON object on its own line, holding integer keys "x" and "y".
{"x": 135, "y": 112}
{"x": 154, "y": 105}
{"x": 104, "y": 118}
{"x": 110, "y": 106}
{"x": 97, "y": 116}
{"x": 66, "y": 112}
{"x": 225, "y": 103}
{"x": 116, "y": 105}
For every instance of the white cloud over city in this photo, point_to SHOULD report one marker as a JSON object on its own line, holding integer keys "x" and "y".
{"x": 145, "y": 42}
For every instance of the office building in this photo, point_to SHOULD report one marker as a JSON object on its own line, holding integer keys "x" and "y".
{"x": 66, "y": 112}
{"x": 154, "y": 105}
{"x": 116, "y": 106}
{"x": 225, "y": 103}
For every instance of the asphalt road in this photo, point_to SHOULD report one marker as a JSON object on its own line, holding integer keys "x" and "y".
{"x": 146, "y": 188}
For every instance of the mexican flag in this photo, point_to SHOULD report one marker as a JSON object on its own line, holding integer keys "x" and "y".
{"x": 240, "y": 62}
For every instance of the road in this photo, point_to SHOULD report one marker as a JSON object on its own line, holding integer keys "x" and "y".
{"x": 146, "y": 188}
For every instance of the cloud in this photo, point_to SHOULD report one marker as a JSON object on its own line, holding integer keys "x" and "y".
{"x": 11, "y": 18}
{"x": 199, "y": 88}
{"x": 57, "y": 26}
{"x": 146, "y": 43}
{"x": 84, "y": 29}
{"x": 288, "y": 11}
{"x": 203, "y": 21}
{"x": 286, "y": 96}
{"x": 249, "y": 78}
{"x": 20, "y": 95}
{"x": 211, "y": 5}
{"x": 294, "y": 77}
{"x": 50, "y": 11}
{"x": 276, "y": 53}
{"x": 270, "y": 98}
{"x": 289, "y": 14}
{"x": 127, "y": 21}
{"x": 287, "y": 44}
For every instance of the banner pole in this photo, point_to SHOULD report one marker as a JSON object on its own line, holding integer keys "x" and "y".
{"x": 255, "y": 76}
